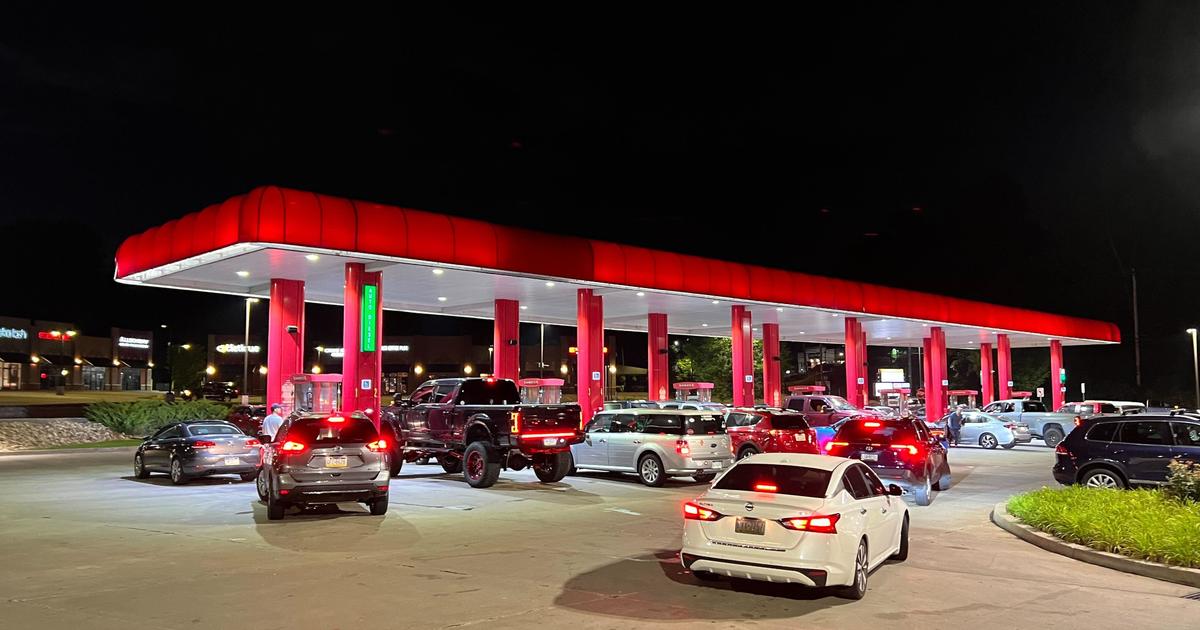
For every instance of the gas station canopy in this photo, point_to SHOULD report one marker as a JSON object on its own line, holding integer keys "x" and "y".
{"x": 444, "y": 265}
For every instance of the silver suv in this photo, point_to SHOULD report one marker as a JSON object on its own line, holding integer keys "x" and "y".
{"x": 655, "y": 444}
{"x": 324, "y": 458}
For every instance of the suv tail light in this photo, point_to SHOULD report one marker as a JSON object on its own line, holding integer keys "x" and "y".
{"x": 694, "y": 512}
{"x": 1061, "y": 449}
{"x": 378, "y": 446}
{"x": 203, "y": 444}
{"x": 830, "y": 446}
{"x": 910, "y": 450}
{"x": 515, "y": 419}
{"x": 815, "y": 524}
{"x": 292, "y": 447}
{"x": 681, "y": 447}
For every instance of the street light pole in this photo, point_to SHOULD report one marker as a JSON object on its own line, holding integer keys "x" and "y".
{"x": 1195, "y": 365}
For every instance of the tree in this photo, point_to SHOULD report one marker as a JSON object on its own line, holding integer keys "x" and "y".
{"x": 187, "y": 367}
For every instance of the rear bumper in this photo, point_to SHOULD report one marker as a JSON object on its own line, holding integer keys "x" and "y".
{"x": 201, "y": 465}
{"x": 754, "y": 571}
{"x": 331, "y": 490}
{"x": 1064, "y": 473}
{"x": 684, "y": 467}
{"x": 819, "y": 561}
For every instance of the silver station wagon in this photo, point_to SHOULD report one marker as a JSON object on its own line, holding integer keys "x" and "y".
{"x": 655, "y": 444}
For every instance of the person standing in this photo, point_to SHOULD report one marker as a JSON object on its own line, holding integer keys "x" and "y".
{"x": 954, "y": 425}
{"x": 271, "y": 424}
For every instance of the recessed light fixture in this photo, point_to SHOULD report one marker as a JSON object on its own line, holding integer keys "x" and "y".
{"x": 716, "y": 301}
{"x": 833, "y": 314}
{"x": 441, "y": 298}
{"x": 313, "y": 257}
{"x": 800, "y": 333}
{"x": 753, "y": 330}
{"x": 524, "y": 308}
{"x": 887, "y": 338}
{"x": 779, "y": 309}
{"x": 549, "y": 284}
{"x": 438, "y": 272}
{"x": 704, "y": 325}
{"x": 925, "y": 325}
{"x": 641, "y": 294}
{"x": 243, "y": 274}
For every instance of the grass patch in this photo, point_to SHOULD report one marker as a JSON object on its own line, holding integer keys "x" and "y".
{"x": 1144, "y": 524}
{"x": 104, "y": 444}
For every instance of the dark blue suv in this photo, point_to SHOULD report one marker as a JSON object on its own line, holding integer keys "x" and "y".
{"x": 1124, "y": 451}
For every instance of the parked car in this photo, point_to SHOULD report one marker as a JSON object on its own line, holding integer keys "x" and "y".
{"x": 883, "y": 411}
{"x": 630, "y": 404}
{"x": 1124, "y": 451}
{"x": 988, "y": 431}
{"x": 694, "y": 405}
{"x": 479, "y": 425}
{"x": 822, "y": 410}
{"x": 797, "y": 519}
{"x": 753, "y": 431}
{"x": 1050, "y": 427}
{"x": 901, "y": 451}
{"x": 197, "y": 448}
{"x": 218, "y": 390}
{"x": 1089, "y": 408}
{"x": 325, "y": 458}
{"x": 655, "y": 444}
{"x": 248, "y": 418}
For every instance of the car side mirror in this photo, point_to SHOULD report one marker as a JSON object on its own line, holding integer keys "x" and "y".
{"x": 895, "y": 490}
{"x": 264, "y": 438}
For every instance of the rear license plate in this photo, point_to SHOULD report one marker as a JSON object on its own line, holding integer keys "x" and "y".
{"x": 233, "y": 461}
{"x": 869, "y": 457}
{"x": 335, "y": 462}
{"x": 549, "y": 441}
{"x": 716, "y": 465}
{"x": 746, "y": 525}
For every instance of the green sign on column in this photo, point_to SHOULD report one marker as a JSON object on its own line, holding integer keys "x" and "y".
{"x": 367, "y": 313}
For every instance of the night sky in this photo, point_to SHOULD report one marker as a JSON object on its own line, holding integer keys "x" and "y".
{"x": 1022, "y": 156}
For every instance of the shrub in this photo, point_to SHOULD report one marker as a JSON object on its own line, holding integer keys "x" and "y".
{"x": 1183, "y": 482}
{"x": 1147, "y": 524}
{"x": 143, "y": 417}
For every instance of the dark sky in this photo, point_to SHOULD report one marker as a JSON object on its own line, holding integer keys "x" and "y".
{"x": 1025, "y": 156}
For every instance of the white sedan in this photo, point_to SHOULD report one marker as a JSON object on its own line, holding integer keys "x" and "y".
{"x": 812, "y": 520}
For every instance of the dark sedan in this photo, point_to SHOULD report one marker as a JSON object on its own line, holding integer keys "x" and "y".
{"x": 198, "y": 448}
{"x": 248, "y": 418}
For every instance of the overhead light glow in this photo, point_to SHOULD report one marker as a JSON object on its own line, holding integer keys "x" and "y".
{"x": 313, "y": 257}
{"x": 641, "y": 294}
{"x": 418, "y": 370}
{"x": 716, "y": 301}
{"x": 524, "y": 308}
{"x": 779, "y": 309}
{"x": 441, "y": 298}
{"x": 438, "y": 272}
{"x": 262, "y": 369}
{"x": 549, "y": 284}
{"x": 704, "y": 325}
{"x": 467, "y": 369}
{"x": 210, "y": 370}
{"x": 564, "y": 369}
{"x": 243, "y": 274}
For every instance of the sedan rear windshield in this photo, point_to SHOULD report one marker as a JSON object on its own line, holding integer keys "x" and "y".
{"x": 794, "y": 480}
{"x": 877, "y": 431}
{"x": 213, "y": 429}
{"x": 321, "y": 431}
{"x": 788, "y": 421}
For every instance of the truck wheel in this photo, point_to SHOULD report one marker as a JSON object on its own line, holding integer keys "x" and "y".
{"x": 650, "y": 470}
{"x": 1052, "y": 436}
{"x": 481, "y": 467}
{"x": 550, "y": 468}
{"x": 450, "y": 463}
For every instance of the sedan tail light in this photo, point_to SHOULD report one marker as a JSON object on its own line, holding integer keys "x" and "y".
{"x": 253, "y": 442}
{"x": 293, "y": 447}
{"x": 378, "y": 446}
{"x": 816, "y": 524}
{"x": 694, "y": 512}
{"x": 203, "y": 444}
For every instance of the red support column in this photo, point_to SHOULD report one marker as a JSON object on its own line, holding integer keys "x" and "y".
{"x": 864, "y": 371}
{"x": 1004, "y": 366}
{"x": 285, "y": 350}
{"x": 362, "y": 338}
{"x": 926, "y": 352}
{"x": 657, "y": 359}
{"x": 772, "y": 383}
{"x": 506, "y": 340}
{"x": 589, "y": 340}
{"x": 935, "y": 392}
{"x": 985, "y": 373}
{"x": 743, "y": 358}
{"x": 853, "y": 362}
{"x": 1056, "y": 384}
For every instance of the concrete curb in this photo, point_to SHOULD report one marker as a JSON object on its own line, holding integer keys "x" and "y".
{"x": 62, "y": 451}
{"x": 1145, "y": 568}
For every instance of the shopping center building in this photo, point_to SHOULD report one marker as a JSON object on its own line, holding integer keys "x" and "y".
{"x": 41, "y": 354}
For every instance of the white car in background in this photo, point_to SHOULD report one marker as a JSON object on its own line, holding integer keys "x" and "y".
{"x": 812, "y": 520}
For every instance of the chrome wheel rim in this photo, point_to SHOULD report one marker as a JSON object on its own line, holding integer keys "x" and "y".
{"x": 989, "y": 441}
{"x": 176, "y": 470}
{"x": 261, "y": 482}
{"x": 1102, "y": 480}
{"x": 746, "y": 453}
{"x": 475, "y": 465}
{"x": 650, "y": 469}
{"x": 860, "y": 570}
{"x": 137, "y": 465}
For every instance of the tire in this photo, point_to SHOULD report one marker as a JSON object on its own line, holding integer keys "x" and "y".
{"x": 1052, "y": 436}
{"x": 275, "y": 508}
{"x": 944, "y": 480}
{"x": 902, "y": 553}
{"x": 704, "y": 477}
{"x": 424, "y": 459}
{"x": 988, "y": 441}
{"x": 923, "y": 493}
{"x": 1008, "y": 446}
{"x": 379, "y": 506}
{"x": 650, "y": 470}
{"x": 177, "y": 475}
{"x": 858, "y": 587}
{"x": 139, "y": 467}
{"x": 260, "y": 484}
{"x": 396, "y": 463}
{"x": 1103, "y": 477}
{"x": 480, "y": 466}
{"x": 552, "y": 467}
{"x": 747, "y": 452}
{"x": 450, "y": 464}
{"x": 250, "y": 476}
{"x": 574, "y": 471}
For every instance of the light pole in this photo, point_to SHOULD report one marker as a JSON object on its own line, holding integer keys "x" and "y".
{"x": 246, "y": 355}
{"x": 1195, "y": 365}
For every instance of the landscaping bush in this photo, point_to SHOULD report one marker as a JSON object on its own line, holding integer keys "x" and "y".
{"x": 1183, "y": 482}
{"x": 1146, "y": 524}
{"x": 143, "y": 417}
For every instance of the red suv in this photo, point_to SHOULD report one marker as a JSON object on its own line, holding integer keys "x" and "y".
{"x": 753, "y": 431}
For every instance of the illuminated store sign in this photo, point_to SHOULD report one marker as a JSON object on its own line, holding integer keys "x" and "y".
{"x": 237, "y": 348}
{"x": 133, "y": 342}
{"x": 13, "y": 333}
{"x": 338, "y": 353}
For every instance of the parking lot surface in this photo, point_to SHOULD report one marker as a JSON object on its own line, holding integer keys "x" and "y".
{"x": 88, "y": 546}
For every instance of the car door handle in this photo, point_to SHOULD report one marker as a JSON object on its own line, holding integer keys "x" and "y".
{"x": 863, "y": 511}
{"x": 601, "y": 441}
{"x": 637, "y": 441}
{"x": 883, "y": 510}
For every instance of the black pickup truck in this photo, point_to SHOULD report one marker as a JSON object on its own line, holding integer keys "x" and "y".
{"x": 478, "y": 426}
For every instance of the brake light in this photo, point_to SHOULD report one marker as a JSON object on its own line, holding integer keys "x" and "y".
{"x": 681, "y": 447}
{"x": 253, "y": 442}
{"x": 815, "y": 524}
{"x": 1010, "y": 426}
{"x": 1061, "y": 449}
{"x": 292, "y": 446}
{"x": 911, "y": 449}
{"x": 378, "y": 446}
{"x": 765, "y": 487}
{"x": 873, "y": 425}
{"x": 515, "y": 418}
{"x": 694, "y": 512}
{"x": 829, "y": 446}
{"x": 203, "y": 444}
{"x": 336, "y": 419}
{"x": 538, "y": 436}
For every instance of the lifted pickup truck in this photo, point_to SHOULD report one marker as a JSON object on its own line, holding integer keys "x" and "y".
{"x": 1049, "y": 426}
{"x": 479, "y": 426}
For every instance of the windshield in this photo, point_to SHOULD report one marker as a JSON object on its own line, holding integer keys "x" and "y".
{"x": 840, "y": 404}
{"x": 213, "y": 429}
{"x": 794, "y": 480}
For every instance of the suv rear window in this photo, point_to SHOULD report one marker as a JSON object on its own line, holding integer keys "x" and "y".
{"x": 788, "y": 421}
{"x": 872, "y": 430}
{"x": 707, "y": 424}
{"x": 794, "y": 480}
{"x": 320, "y": 431}
{"x": 489, "y": 392}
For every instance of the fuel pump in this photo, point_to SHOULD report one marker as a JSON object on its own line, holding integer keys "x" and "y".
{"x": 693, "y": 391}
{"x": 313, "y": 393}
{"x": 541, "y": 391}
{"x": 963, "y": 397}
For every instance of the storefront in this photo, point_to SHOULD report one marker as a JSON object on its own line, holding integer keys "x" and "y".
{"x": 230, "y": 355}
{"x": 44, "y": 354}
{"x": 132, "y": 357}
